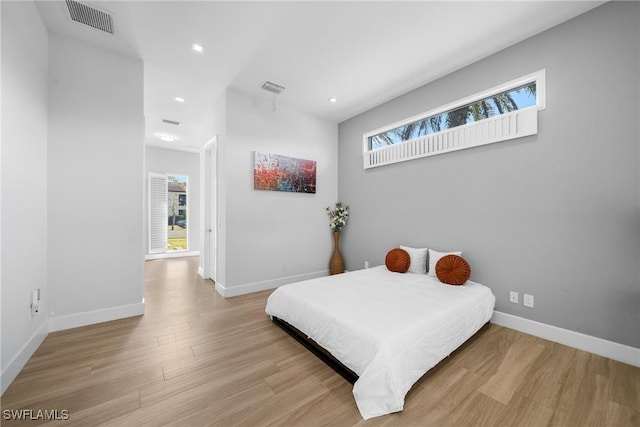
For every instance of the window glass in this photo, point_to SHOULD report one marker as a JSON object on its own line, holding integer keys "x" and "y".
{"x": 500, "y": 103}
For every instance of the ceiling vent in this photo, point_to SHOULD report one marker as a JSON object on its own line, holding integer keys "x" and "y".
{"x": 272, "y": 87}
{"x": 90, "y": 16}
{"x": 170, "y": 122}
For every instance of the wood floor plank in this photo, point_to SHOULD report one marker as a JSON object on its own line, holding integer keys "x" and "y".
{"x": 478, "y": 410}
{"x": 584, "y": 397}
{"x": 322, "y": 411}
{"x": 205, "y": 400}
{"x": 224, "y": 406}
{"x": 543, "y": 382}
{"x": 618, "y": 415}
{"x": 292, "y": 369}
{"x": 438, "y": 398}
{"x": 524, "y": 412}
{"x": 197, "y": 359}
{"x": 272, "y": 408}
{"x": 102, "y": 412}
{"x": 625, "y": 385}
{"x": 483, "y": 352}
{"x": 518, "y": 360}
{"x": 77, "y": 399}
{"x": 224, "y": 377}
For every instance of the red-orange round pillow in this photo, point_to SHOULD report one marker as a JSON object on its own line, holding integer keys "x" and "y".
{"x": 453, "y": 270}
{"x": 397, "y": 260}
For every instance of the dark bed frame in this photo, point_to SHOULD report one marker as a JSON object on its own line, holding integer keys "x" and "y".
{"x": 316, "y": 349}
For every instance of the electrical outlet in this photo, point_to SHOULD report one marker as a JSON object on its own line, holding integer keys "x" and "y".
{"x": 366, "y": 264}
{"x": 35, "y": 302}
{"x": 513, "y": 297}
{"x": 284, "y": 267}
{"x": 528, "y": 300}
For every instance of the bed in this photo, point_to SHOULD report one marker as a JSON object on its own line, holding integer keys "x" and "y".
{"x": 386, "y": 328}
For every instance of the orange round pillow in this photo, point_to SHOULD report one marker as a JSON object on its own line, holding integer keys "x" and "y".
{"x": 453, "y": 270}
{"x": 397, "y": 260}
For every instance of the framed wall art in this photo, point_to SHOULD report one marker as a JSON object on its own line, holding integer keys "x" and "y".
{"x": 275, "y": 172}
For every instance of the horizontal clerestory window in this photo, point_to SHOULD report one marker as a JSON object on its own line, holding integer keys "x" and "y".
{"x": 501, "y": 113}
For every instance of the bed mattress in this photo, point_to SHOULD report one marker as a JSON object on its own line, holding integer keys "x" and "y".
{"x": 389, "y": 328}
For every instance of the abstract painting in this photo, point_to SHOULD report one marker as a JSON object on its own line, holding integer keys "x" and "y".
{"x": 281, "y": 173}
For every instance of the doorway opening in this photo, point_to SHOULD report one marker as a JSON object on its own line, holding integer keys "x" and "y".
{"x": 168, "y": 213}
{"x": 209, "y": 162}
{"x": 177, "y": 237}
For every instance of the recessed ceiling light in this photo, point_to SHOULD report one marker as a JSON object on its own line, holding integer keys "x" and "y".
{"x": 197, "y": 47}
{"x": 177, "y": 98}
{"x": 333, "y": 99}
{"x": 167, "y": 137}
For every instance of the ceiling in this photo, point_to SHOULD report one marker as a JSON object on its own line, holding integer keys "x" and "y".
{"x": 363, "y": 53}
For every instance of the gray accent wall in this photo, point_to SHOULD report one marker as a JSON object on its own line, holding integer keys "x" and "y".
{"x": 555, "y": 215}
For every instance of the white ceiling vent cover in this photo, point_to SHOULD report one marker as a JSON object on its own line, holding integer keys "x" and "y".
{"x": 90, "y": 16}
{"x": 272, "y": 87}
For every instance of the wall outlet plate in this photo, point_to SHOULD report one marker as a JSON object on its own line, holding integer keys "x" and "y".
{"x": 528, "y": 300}
{"x": 513, "y": 297}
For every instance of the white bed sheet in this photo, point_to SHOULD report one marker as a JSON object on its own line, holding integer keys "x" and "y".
{"x": 389, "y": 328}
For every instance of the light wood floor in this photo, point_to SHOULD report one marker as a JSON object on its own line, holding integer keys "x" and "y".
{"x": 197, "y": 359}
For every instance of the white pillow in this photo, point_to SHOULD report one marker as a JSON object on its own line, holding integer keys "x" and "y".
{"x": 434, "y": 257}
{"x": 418, "y": 259}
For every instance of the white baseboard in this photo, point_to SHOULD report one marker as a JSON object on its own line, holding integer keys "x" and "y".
{"x": 60, "y": 323}
{"x": 266, "y": 284}
{"x": 178, "y": 254}
{"x": 610, "y": 349}
{"x": 15, "y": 366}
{"x": 219, "y": 287}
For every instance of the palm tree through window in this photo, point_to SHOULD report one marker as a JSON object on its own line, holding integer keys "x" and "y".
{"x": 501, "y": 103}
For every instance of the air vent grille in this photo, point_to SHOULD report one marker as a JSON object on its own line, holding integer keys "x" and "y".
{"x": 272, "y": 87}
{"x": 171, "y": 122}
{"x": 90, "y": 16}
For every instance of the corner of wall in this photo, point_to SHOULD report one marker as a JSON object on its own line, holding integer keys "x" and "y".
{"x": 23, "y": 176}
{"x": 23, "y": 355}
{"x": 280, "y": 234}
{"x": 85, "y": 154}
{"x": 76, "y": 320}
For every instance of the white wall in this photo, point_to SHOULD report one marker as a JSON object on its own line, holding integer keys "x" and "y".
{"x": 214, "y": 128}
{"x": 162, "y": 160}
{"x": 96, "y": 134}
{"x": 273, "y": 237}
{"x": 24, "y": 184}
{"x": 557, "y": 214}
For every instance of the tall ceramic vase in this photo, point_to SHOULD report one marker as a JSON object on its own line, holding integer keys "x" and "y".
{"x": 336, "y": 264}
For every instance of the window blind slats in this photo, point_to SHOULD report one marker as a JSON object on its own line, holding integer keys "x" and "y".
{"x": 157, "y": 213}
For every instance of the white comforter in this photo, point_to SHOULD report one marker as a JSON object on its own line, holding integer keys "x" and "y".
{"x": 389, "y": 328}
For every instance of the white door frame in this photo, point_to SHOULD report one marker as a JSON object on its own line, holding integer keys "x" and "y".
{"x": 210, "y": 229}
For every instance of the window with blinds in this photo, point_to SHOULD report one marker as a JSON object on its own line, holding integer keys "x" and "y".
{"x": 158, "y": 206}
{"x": 504, "y": 112}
